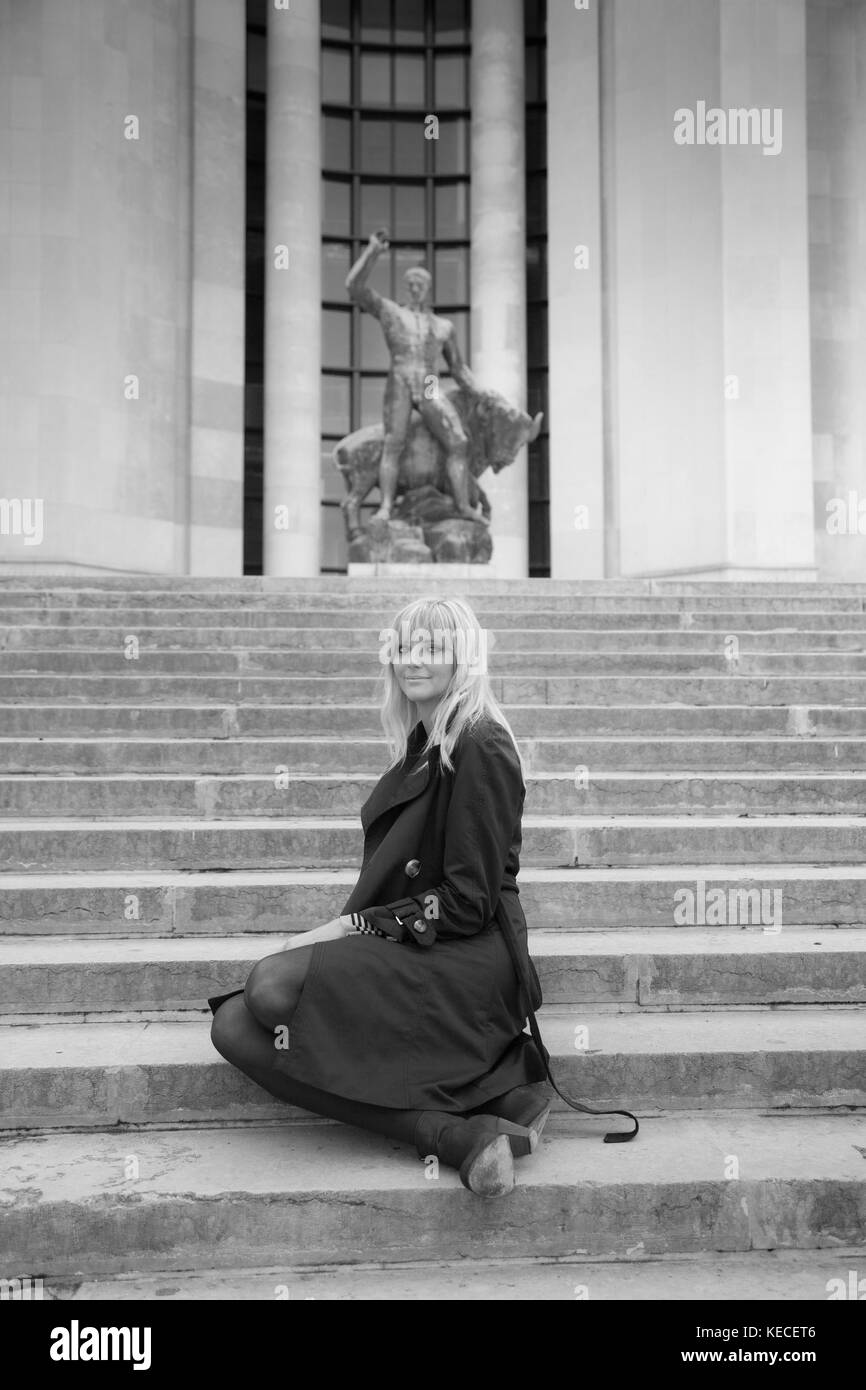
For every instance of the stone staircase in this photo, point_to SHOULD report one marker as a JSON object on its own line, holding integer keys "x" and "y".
{"x": 181, "y": 767}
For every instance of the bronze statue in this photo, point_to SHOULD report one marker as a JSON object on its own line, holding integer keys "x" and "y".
{"x": 415, "y": 337}
{"x": 429, "y": 441}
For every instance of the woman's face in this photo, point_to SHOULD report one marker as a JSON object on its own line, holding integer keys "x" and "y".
{"x": 423, "y": 672}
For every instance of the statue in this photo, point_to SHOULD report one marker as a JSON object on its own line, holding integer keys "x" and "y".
{"x": 427, "y": 454}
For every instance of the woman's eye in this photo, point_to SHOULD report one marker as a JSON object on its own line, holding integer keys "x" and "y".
{"x": 416, "y": 652}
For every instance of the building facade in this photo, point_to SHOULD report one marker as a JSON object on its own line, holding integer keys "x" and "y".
{"x": 644, "y": 220}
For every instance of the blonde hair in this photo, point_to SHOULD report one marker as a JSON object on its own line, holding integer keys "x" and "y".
{"x": 467, "y": 699}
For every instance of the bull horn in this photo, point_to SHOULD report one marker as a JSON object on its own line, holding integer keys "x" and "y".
{"x": 536, "y": 427}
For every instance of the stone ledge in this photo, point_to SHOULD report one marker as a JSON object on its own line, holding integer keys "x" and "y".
{"x": 387, "y": 570}
{"x": 313, "y": 1194}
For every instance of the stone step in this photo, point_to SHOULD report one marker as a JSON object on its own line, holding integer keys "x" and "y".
{"x": 133, "y": 686}
{"x": 107, "y": 969}
{"x": 97, "y": 1075}
{"x": 501, "y": 616}
{"x": 148, "y": 719}
{"x": 322, "y": 1194}
{"x": 234, "y": 639}
{"x": 323, "y": 756}
{"x": 112, "y": 665}
{"x": 200, "y": 642}
{"x": 585, "y": 789}
{"x": 696, "y": 967}
{"x": 44, "y": 582}
{"x": 760, "y": 1275}
{"x": 167, "y": 902}
{"x": 355, "y": 594}
{"x": 321, "y": 842}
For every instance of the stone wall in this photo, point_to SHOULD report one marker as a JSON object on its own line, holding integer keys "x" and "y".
{"x": 95, "y": 175}
{"x": 708, "y": 436}
{"x": 837, "y": 256}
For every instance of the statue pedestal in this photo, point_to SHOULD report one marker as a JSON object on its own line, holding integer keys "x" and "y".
{"x": 390, "y": 542}
{"x": 384, "y": 569}
{"x": 423, "y": 533}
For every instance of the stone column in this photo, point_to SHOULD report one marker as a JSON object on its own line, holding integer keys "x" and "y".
{"x": 836, "y": 62}
{"x": 574, "y": 269}
{"x": 707, "y": 304}
{"x": 498, "y": 256}
{"x": 95, "y": 126}
{"x": 293, "y": 318}
{"x": 216, "y": 444}
{"x": 769, "y": 505}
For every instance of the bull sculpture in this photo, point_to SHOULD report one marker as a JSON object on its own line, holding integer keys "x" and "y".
{"x": 429, "y": 438}
{"x": 496, "y": 433}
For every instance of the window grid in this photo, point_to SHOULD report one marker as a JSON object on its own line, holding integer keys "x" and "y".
{"x": 254, "y": 316}
{"x": 535, "y": 31}
{"x": 367, "y": 380}
{"x": 536, "y": 113}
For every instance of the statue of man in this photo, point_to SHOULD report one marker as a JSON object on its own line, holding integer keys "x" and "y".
{"x": 415, "y": 336}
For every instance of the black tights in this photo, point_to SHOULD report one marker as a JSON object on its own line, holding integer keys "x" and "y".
{"x": 243, "y": 1033}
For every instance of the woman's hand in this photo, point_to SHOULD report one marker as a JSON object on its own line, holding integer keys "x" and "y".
{"x": 331, "y": 931}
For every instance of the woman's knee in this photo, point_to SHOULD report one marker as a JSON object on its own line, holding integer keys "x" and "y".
{"x": 230, "y": 1024}
{"x": 274, "y": 987}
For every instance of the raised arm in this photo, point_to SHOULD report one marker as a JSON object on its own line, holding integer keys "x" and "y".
{"x": 356, "y": 281}
{"x": 459, "y": 370}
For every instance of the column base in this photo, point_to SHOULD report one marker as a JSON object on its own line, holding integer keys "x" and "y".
{"x": 71, "y": 568}
{"x": 382, "y": 568}
{"x": 735, "y": 574}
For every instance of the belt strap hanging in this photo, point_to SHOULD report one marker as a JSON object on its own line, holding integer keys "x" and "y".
{"x": 614, "y": 1137}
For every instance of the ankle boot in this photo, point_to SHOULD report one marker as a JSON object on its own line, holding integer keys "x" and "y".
{"x": 478, "y": 1148}
{"x": 527, "y": 1109}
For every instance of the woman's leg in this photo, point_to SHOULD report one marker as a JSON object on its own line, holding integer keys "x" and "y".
{"x": 478, "y": 1147}
{"x": 240, "y": 1037}
{"x": 274, "y": 986}
{"x": 528, "y": 1109}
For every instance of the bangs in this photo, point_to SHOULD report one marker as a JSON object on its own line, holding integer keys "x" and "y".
{"x": 441, "y": 630}
{"x": 428, "y": 614}
{"x": 422, "y": 620}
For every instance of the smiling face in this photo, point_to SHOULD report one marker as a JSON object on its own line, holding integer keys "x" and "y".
{"x": 418, "y": 284}
{"x": 434, "y": 656}
{"x": 423, "y": 671}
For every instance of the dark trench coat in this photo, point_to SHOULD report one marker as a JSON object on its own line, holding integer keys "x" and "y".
{"x": 429, "y": 1016}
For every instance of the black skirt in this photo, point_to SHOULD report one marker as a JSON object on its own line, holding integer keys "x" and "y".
{"x": 389, "y": 1024}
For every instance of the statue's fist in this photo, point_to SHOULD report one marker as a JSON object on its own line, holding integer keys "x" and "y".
{"x": 379, "y": 239}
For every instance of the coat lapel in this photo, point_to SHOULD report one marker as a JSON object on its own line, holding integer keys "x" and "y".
{"x": 401, "y": 784}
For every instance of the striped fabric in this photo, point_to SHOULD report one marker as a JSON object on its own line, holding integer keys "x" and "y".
{"x": 362, "y": 925}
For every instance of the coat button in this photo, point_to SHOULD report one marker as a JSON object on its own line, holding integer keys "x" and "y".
{"x": 413, "y": 868}
{"x": 419, "y": 926}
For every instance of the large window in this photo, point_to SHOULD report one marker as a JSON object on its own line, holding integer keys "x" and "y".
{"x": 388, "y": 66}
{"x": 536, "y": 282}
{"x": 255, "y": 289}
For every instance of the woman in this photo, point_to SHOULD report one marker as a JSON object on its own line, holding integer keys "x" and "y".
{"x": 404, "y": 1015}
